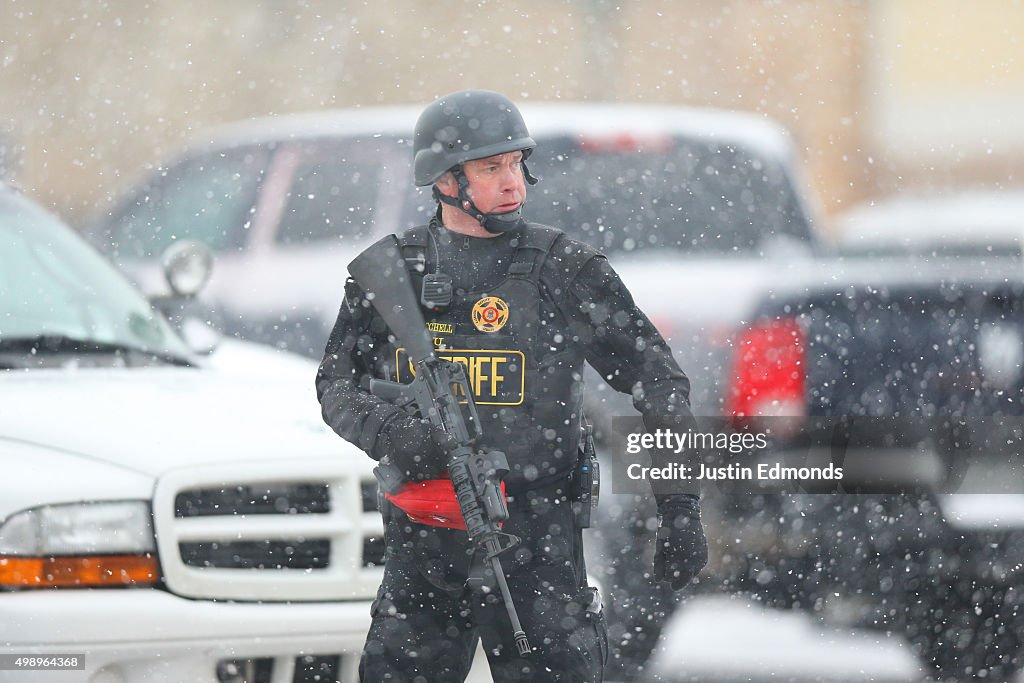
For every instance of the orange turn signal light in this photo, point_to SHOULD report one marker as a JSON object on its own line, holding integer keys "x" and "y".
{"x": 100, "y": 571}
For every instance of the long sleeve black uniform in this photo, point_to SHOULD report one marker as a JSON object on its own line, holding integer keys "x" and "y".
{"x": 619, "y": 340}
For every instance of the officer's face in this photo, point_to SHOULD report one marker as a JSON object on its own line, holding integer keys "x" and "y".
{"x": 496, "y": 184}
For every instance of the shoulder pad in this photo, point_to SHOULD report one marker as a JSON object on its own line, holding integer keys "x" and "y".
{"x": 568, "y": 256}
{"x": 414, "y": 247}
{"x": 413, "y": 237}
{"x": 537, "y": 236}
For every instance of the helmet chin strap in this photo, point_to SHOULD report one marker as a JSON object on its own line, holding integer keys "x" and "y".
{"x": 496, "y": 222}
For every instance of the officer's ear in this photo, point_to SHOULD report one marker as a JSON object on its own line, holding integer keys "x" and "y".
{"x": 447, "y": 185}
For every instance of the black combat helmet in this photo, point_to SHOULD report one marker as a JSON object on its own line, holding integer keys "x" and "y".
{"x": 467, "y": 125}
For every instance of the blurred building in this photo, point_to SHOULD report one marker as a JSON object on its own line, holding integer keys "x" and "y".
{"x": 943, "y": 90}
{"x": 879, "y": 96}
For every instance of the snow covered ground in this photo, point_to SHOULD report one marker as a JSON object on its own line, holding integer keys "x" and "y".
{"x": 719, "y": 638}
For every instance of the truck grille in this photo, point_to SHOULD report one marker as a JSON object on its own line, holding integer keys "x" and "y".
{"x": 287, "y": 531}
{"x": 304, "y": 669}
{"x": 265, "y": 499}
{"x": 290, "y": 554}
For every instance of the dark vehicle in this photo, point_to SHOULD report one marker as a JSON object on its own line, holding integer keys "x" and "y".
{"x": 923, "y": 364}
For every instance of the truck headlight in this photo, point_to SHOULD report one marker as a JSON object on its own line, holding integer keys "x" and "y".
{"x": 79, "y": 545}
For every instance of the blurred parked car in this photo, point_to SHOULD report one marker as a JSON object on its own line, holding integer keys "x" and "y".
{"x": 170, "y": 516}
{"x": 285, "y": 203}
{"x": 951, "y": 224}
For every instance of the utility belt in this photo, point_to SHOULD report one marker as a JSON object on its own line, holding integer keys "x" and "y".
{"x": 432, "y": 502}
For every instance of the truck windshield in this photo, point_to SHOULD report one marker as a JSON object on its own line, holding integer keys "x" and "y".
{"x": 54, "y": 286}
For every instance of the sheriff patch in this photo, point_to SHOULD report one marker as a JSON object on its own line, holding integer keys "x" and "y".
{"x": 496, "y": 377}
{"x": 489, "y": 314}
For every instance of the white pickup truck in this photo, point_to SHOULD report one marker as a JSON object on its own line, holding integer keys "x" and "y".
{"x": 164, "y": 517}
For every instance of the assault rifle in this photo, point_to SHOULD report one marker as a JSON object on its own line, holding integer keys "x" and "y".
{"x": 475, "y": 473}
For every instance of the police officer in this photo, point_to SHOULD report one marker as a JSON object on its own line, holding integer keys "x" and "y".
{"x": 523, "y": 307}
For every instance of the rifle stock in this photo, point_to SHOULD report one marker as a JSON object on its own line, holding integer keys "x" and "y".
{"x": 381, "y": 272}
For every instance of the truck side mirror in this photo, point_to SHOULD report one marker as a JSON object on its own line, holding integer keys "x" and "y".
{"x": 187, "y": 267}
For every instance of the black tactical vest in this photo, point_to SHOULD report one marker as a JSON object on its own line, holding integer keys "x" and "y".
{"x": 525, "y": 372}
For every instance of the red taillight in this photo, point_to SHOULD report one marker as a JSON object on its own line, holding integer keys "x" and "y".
{"x": 769, "y": 375}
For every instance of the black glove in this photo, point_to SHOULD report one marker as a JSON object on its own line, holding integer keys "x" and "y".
{"x": 682, "y": 549}
{"x": 414, "y": 445}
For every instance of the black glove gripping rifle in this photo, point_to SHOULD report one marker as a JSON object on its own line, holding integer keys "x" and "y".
{"x": 476, "y": 473}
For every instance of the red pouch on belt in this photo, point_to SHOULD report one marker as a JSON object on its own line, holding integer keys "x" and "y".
{"x": 431, "y": 502}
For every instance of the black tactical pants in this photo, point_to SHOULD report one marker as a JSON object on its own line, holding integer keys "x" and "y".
{"x": 426, "y": 622}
